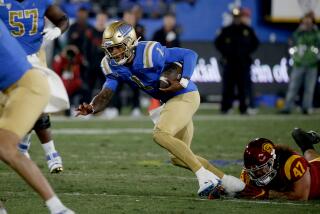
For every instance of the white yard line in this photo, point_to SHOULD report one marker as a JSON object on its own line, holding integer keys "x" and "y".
{"x": 106, "y": 131}
{"x": 267, "y": 117}
{"x": 171, "y": 197}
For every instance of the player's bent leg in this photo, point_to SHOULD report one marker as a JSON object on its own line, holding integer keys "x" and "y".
{"x": 42, "y": 129}
{"x": 26, "y": 99}
{"x": 22, "y": 165}
{"x": 186, "y": 135}
{"x": 32, "y": 93}
{"x": 311, "y": 155}
{"x": 170, "y": 123}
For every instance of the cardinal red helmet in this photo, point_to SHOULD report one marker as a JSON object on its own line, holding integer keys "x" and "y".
{"x": 259, "y": 160}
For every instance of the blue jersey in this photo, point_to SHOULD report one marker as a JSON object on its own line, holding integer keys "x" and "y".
{"x": 25, "y": 20}
{"x": 13, "y": 59}
{"x": 148, "y": 64}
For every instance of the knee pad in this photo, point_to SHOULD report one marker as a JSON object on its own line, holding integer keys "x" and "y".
{"x": 43, "y": 122}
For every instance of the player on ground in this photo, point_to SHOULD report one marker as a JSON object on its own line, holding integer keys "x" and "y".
{"x": 140, "y": 64}
{"x": 276, "y": 171}
{"x": 25, "y": 19}
{"x": 18, "y": 96}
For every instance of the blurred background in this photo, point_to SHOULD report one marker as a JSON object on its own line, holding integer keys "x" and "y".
{"x": 247, "y": 66}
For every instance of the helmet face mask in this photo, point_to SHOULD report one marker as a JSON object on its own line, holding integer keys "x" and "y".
{"x": 259, "y": 161}
{"x": 119, "y": 42}
{"x": 118, "y": 57}
{"x": 263, "y": 174}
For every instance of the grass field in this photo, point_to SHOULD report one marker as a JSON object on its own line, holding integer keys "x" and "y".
{"x": 115, "y": 167}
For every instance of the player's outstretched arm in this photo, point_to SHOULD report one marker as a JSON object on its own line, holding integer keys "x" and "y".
{"x": 98, "y": 103}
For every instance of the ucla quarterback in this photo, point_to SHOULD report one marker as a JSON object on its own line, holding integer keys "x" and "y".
{"x": 25, "y": 19}
{"x": 141, "y": 64}
{"x": 18, "y": 96}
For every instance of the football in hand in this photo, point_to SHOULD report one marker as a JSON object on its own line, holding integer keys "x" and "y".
{"x": 171, "y": 71}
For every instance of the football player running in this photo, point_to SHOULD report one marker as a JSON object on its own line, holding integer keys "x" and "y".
{"x": 18, "y": 96}
{"x": 25, "y": 19}
{"x": 276, "y": 171}
{"x": 140, "y": 64}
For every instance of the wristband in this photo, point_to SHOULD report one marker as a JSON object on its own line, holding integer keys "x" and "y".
{"x": 184, "y": 82}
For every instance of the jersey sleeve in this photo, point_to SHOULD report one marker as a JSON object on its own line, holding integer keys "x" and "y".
{"x": 154, "y": 55}
{"x": 295, "y": 167}
{"x": 244, "y": 176}
{"x": 111, "y": 81}
{"x": 251, "y": 191}
{"x": 105, "y": 67}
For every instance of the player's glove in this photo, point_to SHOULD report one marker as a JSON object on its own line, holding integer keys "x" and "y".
{"x": 51, "y": 33}
{"x": 174, "y": 86}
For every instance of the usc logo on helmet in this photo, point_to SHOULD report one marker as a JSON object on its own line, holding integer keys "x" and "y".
{"x": 267, "y": 147}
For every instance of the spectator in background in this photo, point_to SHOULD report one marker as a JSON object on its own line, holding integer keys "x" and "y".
{"x": 138, "y": 13}
{"x": 168, "y": 35}
{"x": 236, "y": 43}
{"x": 67, "y": 65}
{"x": 304, "y": 49}
{"x": 78, "y": 36}
{"x": 95, "y": 53}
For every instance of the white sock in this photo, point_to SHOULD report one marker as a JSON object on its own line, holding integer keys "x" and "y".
{"x": 55, "y": 205}
{"x": 25, "y": 143}
{"x": 204, "y": 175}
{"x": 3, "y": 211}
{"x": 49, "y": 147}
{"x": 232, "y": 184}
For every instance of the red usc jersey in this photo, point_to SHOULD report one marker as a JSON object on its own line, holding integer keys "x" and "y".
{"x": 288, "y": 172}
{"x": 315, "y": 179}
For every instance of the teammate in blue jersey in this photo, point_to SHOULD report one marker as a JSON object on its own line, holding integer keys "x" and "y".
{"x": 25, "y": 19}
{"x": 18, "y": 96}
{"x": 140, "y": 64}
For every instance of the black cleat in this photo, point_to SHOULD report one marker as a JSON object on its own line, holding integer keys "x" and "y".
{"x": 305, "y": 140}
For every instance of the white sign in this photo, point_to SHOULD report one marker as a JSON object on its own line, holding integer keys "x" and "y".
{"x": 260, "y": 73}
{"x": 293, "y": 10}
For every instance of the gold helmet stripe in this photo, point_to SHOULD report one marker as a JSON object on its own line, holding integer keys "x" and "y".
{"x": 105, "y": 66}
{"x": 147, "y": 54}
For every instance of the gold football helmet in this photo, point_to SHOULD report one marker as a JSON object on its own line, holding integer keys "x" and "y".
{"x": 121, "y": 36}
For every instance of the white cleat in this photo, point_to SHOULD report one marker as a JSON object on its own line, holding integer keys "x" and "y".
{"x": 54, "y": 162}
{"x": 211, "y": 190}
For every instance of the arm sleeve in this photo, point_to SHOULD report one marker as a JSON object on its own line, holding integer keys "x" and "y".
{"x": 295, "y": 167}
{"x": 162, "y": 55}
{"x": 111, "y": 83}
{"x": 187, "y": 56}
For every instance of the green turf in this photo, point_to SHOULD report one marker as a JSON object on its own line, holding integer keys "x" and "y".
{"x": 128, "y": 173}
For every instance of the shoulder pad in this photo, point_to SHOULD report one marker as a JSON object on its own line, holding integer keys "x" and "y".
{"x": 147, "y": 54}
{"x": 105, "y": 66}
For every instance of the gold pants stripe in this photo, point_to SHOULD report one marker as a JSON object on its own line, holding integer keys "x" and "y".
{"x": 25, "y": 101}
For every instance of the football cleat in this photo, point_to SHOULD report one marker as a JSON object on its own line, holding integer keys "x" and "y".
{"x": 303, "y": 137}
{"x": 54, "y": 162}
{"x": 211, "y": 191}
